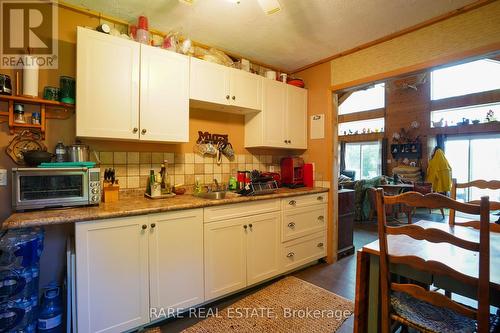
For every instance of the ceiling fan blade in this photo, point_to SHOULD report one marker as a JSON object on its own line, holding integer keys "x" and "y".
{"x": 270, "y": 6}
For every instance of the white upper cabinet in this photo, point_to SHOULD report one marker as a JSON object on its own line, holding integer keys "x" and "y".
{"x": 283, "y": 120}
{"x": 245, "y": 89}
{"x": 220, "y": 88}
{"x": 209, "y": 82}
{"x": 296, "y": 117}
{"x": 164, "y": 106}
{"x": 107, "y": 89}
{"x": 130, "y": 91}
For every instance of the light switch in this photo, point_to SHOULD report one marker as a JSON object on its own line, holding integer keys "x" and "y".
{"x": 3, "y": 177}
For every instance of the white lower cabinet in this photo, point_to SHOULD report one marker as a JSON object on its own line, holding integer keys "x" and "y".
{"x": 128, "y": 269}
{"x": 176, "y": 259}
{"x": 240, "y": 252}
{"x": 125, "y": 266}
{"x": 112, "y": 274}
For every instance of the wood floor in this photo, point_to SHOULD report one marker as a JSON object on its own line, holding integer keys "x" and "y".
{"x": 339, "y": 278}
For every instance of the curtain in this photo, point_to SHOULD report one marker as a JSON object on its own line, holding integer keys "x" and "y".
{"x": 383, "y": 155}
{"x": 342, "y": 156}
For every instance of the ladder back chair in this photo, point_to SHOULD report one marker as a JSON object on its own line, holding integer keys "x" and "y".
{"x": 481, "y": 184}
{"x": 412, "y": 305}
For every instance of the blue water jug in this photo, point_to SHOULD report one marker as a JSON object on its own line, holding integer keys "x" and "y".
{"x": 51, "y": 313}
{"x": 16, "y": 316}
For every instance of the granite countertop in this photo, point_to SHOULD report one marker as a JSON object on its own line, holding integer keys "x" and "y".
{"x": 136, "y": 205}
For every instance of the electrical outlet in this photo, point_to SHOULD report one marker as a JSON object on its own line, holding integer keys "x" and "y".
{"x": 3, "y": 177}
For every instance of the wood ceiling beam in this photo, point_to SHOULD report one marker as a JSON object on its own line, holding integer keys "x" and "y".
{"x": 408, "y": 30}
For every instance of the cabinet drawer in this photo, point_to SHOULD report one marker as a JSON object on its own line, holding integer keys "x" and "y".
{"x": 303, "y": 221}
{"x": 225, "y": 212}
{"x": 303, "y": 250}
{"x": 304, "y": 200}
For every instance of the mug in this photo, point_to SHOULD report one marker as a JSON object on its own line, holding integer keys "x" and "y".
{"x": 283, "y": 77}
{"x": 271, "y": 75}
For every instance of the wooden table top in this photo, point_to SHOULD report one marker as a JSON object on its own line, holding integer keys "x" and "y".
{"x": 461, "y": 260}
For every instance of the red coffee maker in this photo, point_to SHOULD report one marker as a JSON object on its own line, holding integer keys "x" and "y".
{"x": 292, "y": 172}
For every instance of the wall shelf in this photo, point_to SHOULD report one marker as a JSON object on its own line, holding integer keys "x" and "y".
{"x": 362, "y": 137}
{"x": 53, "y": 109}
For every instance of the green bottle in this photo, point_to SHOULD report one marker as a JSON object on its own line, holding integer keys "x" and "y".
{"x": 151, "y": 181}
{"x": 233, "y": 184}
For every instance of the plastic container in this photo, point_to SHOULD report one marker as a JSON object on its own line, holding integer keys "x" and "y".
{"x": 60, "y": 152}
{"x": 142, "y": 36}
{"x": 21, "y": 248}
{"x": 50, "y": 317}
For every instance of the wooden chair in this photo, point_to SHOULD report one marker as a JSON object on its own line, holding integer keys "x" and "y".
{"x": 425, "y": 188}
{"x": 482, "y": 184}
{"x": 411, "y": 304}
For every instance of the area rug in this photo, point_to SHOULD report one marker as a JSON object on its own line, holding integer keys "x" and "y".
{"x": 289, "y": 305}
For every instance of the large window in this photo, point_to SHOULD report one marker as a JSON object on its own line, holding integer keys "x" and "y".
{"x": 364, "y": 100}
{"x": 469, "y": 78}
{"x": 472, "y": 158}
{"x": 364, "y": 158}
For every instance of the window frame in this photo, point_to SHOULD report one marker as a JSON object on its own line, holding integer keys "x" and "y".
{"x": 378, "y": 143}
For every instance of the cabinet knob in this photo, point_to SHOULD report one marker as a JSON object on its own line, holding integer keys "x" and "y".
{"x": 292, "y": 202}
{"x": 321, "y": 217}
{"x": 289, "y": 141}
{"x": 144, "y": 227}
{"x": 245, "y": 227}
{"x": 290, "y": 254}
{"x": 320, "y": 198}
{"x": 234, "y": 98}
{"x": 320, "y": 244}
{"x": 285, "y": 141}
{"x": 250, "y": 225}
{"x": 153, "y": 225}
{"x": 135, "y": 130}
{"x": 227, "y": 96}
{"x": 143, "y": 131}
{"x": 291, "y": 224}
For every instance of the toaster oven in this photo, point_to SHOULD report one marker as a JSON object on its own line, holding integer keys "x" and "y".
{"x": 37, "y": 188}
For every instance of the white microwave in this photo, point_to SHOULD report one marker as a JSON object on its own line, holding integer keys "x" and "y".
{"x": 37, "y": 188}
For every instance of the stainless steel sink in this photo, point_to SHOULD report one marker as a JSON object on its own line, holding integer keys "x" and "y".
{"x": 216, "y": 195}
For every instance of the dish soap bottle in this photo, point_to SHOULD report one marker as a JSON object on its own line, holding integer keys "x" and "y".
{"x": 197, "y": 186}
{"x": 50, "y": 316}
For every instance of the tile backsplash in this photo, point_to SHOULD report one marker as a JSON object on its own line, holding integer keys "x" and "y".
{"x": 132, "y": 168}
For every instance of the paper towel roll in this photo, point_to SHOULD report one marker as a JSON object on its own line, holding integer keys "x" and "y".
{"x": 30, "y": 77}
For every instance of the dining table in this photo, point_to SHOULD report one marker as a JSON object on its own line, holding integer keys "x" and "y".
{"x": 367, "y": 298}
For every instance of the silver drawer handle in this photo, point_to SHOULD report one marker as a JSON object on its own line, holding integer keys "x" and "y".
{"x": 321, "y": 217}
{"x": 320, "y": 244}
{"x": 292, "y": 202}
{"x": 291, "y": 224}
{"x": 290, "y": 254}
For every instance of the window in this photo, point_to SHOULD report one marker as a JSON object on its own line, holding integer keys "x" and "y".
{"x": 364, "y": 158}
{"x": 476, "y": 113}
{"x": 364, "y": 100}
{"x": 469, "y": 78}
{"x": 471, "y": 158}
{"x": 362, "y": 126}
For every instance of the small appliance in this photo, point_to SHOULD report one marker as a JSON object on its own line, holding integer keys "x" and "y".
{"x": 5, "y": 85}
{"x": 292, "y": 172}
{"x": 37, "y": 188}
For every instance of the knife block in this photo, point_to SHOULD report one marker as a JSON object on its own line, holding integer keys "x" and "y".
{"x": 110, "y": 192}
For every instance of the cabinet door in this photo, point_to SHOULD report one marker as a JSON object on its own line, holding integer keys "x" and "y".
{"x": 176, "y": 259}
{"x": 296, "y": 117}
{"x": 112, "y": 274}
{"x": 263, "y": 247}
{"x": 107, "y": 89}
{"x": 225, "y": 257}
{"x": 209, "y": 82}
{"x": 273, "y": 113}
{"x": 245, "y": 89}
{"x": 164, "y": 106}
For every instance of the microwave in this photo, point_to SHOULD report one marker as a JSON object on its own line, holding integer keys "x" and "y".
{"x": 37, "y": 188}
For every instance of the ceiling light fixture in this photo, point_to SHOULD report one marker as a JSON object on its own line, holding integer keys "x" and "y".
{"x": 270, "y": 6}
{"x": 187, "y": 2}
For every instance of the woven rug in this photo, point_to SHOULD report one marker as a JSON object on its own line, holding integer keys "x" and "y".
{"x": 289, "y": 305}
